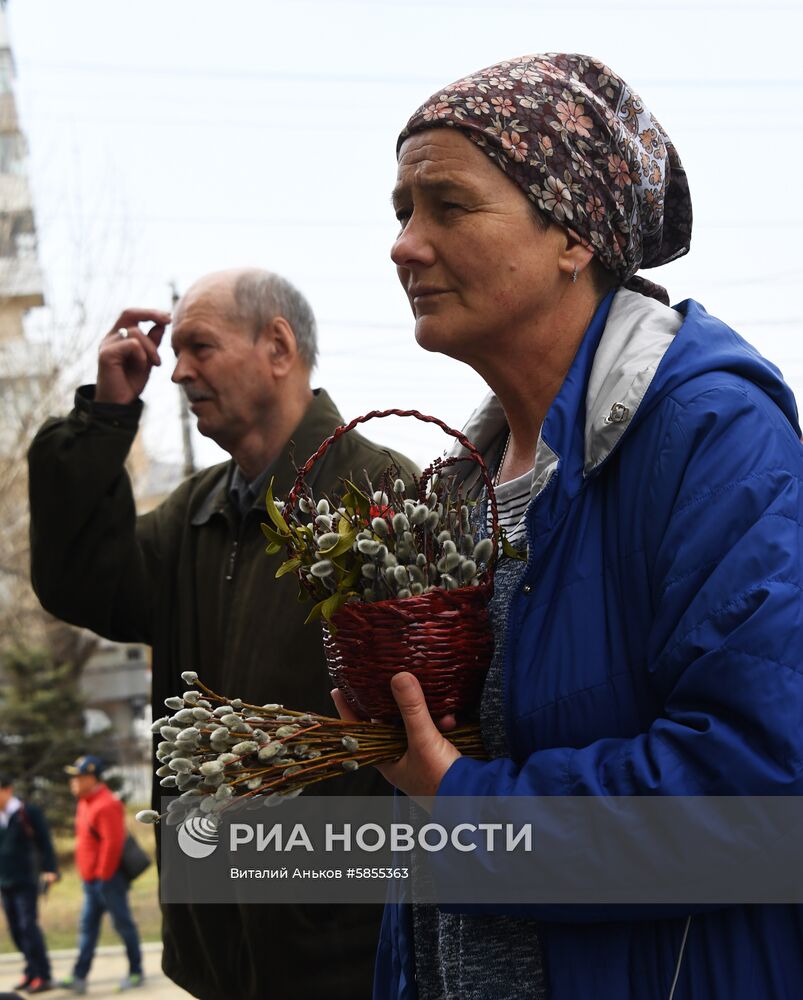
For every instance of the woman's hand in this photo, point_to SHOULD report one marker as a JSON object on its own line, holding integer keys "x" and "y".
{"x": 429, "y": 755}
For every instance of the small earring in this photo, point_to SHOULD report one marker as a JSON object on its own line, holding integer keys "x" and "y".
{"x": 574, "y": 275}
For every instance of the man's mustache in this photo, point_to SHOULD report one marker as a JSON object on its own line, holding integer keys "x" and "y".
{"x": 195, "y": 395}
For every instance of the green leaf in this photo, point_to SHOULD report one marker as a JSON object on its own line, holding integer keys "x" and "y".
{"x": 360, "y": 501}
{"x": 273, "y": 536}
{"x": 332, "y": 604}
{"x": 509, "y": 551}
{"x": 315, "y": 614}
{"x": 273, "y": 512}
{"x": 343, "y": 526}
{"x": 327, "y": 607}
{"x": 273, "y": 548}
{"x": 349, "y": 502}
{"x": 288, "y": 567}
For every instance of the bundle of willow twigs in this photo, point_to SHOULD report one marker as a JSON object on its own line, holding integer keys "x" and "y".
{"x": 217, "y": 751}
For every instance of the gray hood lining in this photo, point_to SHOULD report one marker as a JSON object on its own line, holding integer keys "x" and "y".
{"x": 637, "y": 334}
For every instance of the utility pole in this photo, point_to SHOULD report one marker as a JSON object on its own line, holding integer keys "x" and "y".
{"x": 184, "y": 408}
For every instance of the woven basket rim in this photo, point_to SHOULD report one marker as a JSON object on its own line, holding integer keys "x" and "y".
{"x": 482, "y": 589}
{"x": 473, "y": 454}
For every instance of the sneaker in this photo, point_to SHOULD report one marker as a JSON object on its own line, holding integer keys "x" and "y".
{"x": 74, "y": 984}
{"x": 131, "y": 982}
{"x": 39, "y": 985}
{"x": 23, "y": 983}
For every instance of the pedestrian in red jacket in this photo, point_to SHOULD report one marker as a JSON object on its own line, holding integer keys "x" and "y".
{"x": 99, "y": 837}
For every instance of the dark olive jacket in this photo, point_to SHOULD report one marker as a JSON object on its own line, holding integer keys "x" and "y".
{"x": 192, "y": 580}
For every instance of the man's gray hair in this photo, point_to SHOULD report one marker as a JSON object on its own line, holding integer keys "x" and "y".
{"x": 261, "y": 296}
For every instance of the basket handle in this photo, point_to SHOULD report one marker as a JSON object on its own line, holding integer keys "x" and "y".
{"x": 471, "y": 448}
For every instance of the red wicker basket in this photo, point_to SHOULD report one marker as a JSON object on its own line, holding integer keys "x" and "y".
{"x": 442, "y": 637}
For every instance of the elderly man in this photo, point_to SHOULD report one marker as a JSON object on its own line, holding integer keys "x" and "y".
{"x": 191, "y": 578}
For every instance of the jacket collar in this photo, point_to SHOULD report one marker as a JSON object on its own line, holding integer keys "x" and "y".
{"x": 98, "y": 791}
{"x": 601, "y": 394}
{"x": 638, "y": 333}
{"x": 320, "y": 419}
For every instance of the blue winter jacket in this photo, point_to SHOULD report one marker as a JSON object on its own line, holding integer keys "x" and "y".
{"x": 655, "y": 645}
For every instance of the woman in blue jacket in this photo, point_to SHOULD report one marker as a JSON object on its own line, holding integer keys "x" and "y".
{"x": 650, "y": 462}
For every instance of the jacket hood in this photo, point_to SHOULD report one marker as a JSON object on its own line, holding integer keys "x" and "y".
{"x": 635, "y": 353}
{"x": 705, "y": 344}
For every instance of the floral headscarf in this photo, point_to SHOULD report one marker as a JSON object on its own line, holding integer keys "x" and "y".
{"x": 582, "y": 146}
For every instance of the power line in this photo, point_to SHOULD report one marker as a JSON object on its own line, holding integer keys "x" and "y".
{"x": 774, "y": 278}
{"x": 389, "y": 222}
{"x": 609, "y": 8}
{"x": 110, "y": 69}
{"x": 725, "y": 122}
{"x": 66, "y": 119}
{"x": 794, "y": 321}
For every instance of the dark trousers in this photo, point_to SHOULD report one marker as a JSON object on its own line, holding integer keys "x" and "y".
{"x": 99, "y": 896}
{"x": 20, "y": 904}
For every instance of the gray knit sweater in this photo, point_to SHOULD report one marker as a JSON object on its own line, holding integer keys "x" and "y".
{"x": 484, "y": 957}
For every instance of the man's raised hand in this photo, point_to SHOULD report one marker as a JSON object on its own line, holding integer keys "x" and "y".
{"x": 127, "y": 355}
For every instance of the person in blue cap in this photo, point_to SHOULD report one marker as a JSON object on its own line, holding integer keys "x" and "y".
{"x": 99, "y": 837}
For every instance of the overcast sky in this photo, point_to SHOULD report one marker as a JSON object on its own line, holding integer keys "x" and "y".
{"x": 169, "y": 138}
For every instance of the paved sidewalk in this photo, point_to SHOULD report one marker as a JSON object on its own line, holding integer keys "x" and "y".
{"x": 108, "y": 969}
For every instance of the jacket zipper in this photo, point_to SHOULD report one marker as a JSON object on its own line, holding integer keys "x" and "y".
{"x": 680, "y": 958}
{"x": 229, "y": 592}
